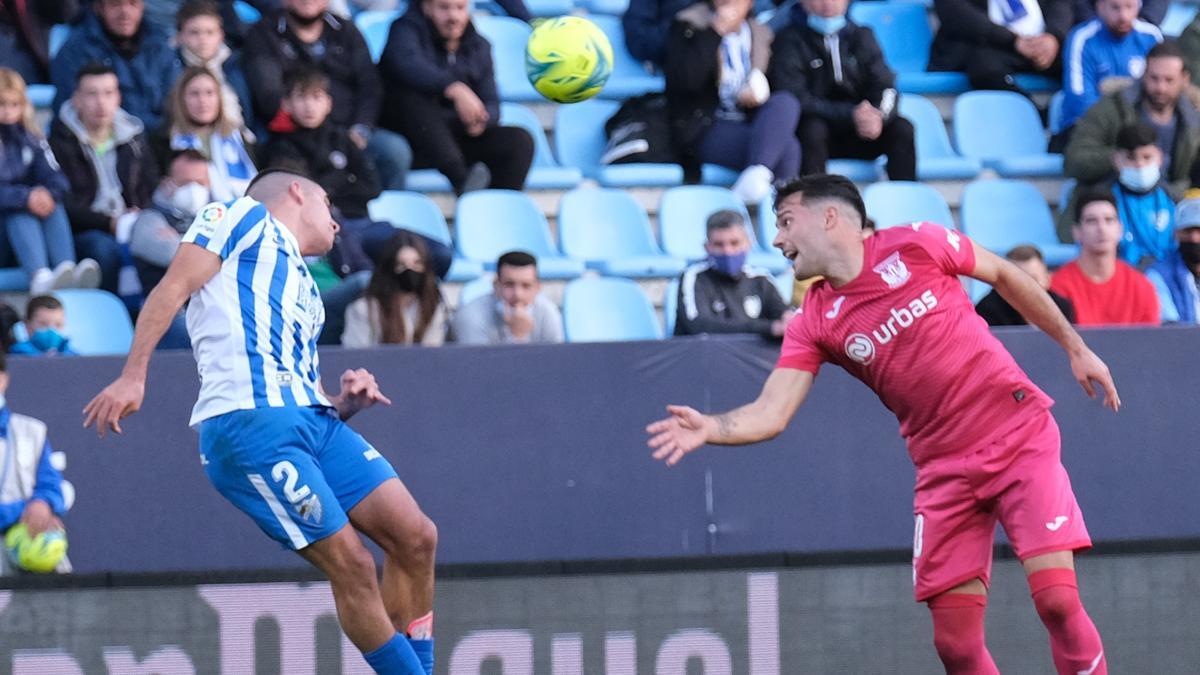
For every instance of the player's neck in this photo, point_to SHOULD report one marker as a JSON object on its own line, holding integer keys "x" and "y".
{"x": 846, "y": 264}
{"x": 1098, "y": 268}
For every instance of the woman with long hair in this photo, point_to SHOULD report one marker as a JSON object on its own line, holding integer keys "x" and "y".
{"x": 402, "y": 303}
{"x": 197, "y": 121}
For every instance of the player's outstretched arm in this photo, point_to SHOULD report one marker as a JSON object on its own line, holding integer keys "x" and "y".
{"x": 191, "y": 268}
{"x": 686, "y": 429}
{"x": 1028, "y": 298}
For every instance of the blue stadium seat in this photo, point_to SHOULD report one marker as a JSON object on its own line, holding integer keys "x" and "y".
{"x": 545, "y": 174}
{"x": 59, "y": 33}
{"x": 670, "y": 306}
{"x": 611, "y": 232}
{"x": 374, "y": 26}
{"x": 474, "y": 289}
{"x": 766, "y": 222}
{"x": 901, "y": 202}
{"x": 936, "y": 158}
{"x": 1179, "y": 15}
{"x": 1003, "y": 130}
{"x": 857, "y": 170}
{"x": 785, "y": 283}
{"x": 41, "y": 95}
{"x": 613, "y": 7}
{"x": 1037, "y": 83}
{"x": 13, "y": 280}
{"x": 97, "y": 322}
{"x": 508, "y": 37}
{"x": 1001, "y": 214}
{"x": 904, "y": 35}
{"x": 427, "y": 180}
{"x": 579, "y": 140}
{"x": 681, "y": 221}
{"x": 628, "y": 77}
{"x": 416, "y": 212}
{"x": 550, "y": 7}
{"x": 491, "y": 222}
{"x": 1054, "y": 113}
{"x": 606, "y": 309}
{"x": 246, "y": 12}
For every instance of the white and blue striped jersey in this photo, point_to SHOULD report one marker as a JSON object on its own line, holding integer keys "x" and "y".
{"x": 254, "y": 325}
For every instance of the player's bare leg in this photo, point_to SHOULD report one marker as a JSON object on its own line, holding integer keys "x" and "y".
{"x": 391, "y": 518}
{"x": 1074, "y": 640}
{"x": 958, "y": 629}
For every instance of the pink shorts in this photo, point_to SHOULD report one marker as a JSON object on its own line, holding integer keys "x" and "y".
{"x": 1018, "y": 480}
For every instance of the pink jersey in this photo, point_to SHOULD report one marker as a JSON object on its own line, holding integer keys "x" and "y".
{"x": 906, "y": 328}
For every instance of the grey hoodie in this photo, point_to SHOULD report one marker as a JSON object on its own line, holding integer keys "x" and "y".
{"x": 109, "y": 199}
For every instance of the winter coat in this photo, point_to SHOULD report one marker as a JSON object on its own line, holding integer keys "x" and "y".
{"x": 329, "y": 156}
{"x": 26, "y": 162}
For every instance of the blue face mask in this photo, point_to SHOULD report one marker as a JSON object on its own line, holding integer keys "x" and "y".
{"x": 48, "y": 340}
{"x": 827, "y": 25}
{"x": 729, "y": 265}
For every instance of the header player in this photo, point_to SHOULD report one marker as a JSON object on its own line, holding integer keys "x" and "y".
{"x": 271, "y": 440}
{"x": 892, "y": 312}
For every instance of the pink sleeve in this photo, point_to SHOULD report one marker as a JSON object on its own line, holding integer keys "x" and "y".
{"x": 951, "y": 250}
{"x": 799, "y": 351}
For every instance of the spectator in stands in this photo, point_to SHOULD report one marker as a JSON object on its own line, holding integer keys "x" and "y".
{"x": 1158, "y": 99}
{"x": 1152, "y": 11}
{"x": 45, "y": 325}
{"x": 201, "y": 40}
{"x": 104, "y": 154}
{"x": 32, "y": 489}
{"x": 1176, "y": 277}
{"x": 25, "y": 34}
{"x": 1146, "y": 210}
{"x": 1189, "y": 44}
{"x": 516, "y": 312}
{"x": 1103, "y": 288}
{"x": 441, "y": 94}
{"x": 114, "y": 34}
{"x": 163, "y": 14}
{"x": 32, "y": 189}
{"x": 197, "y": 120}
{"x": 721, "y": 106}
{"x": 306, "y": 34}
{"x": 158, "y": 229}
{"x": 847, "y": 93}
{"x": 722, "y": 294}
{"x": 402, "y": 304}
{"x": 1101, "y": 55}
{"x": 647, "y": 23}
{"x": 991, "y": 40}
{"x": 995, "y": 309}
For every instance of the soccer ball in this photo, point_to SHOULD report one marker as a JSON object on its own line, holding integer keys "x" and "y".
{"x": 568, "y": 59}
{"x": 35, "y": 554}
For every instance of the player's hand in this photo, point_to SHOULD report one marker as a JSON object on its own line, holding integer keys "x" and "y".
{"x": 1089, "y": 370}
{"x": 37, "y": 517}
{"x": 359, "y": 392}
{"x": 684, "y": 431}
{"x": 117, "y": 401}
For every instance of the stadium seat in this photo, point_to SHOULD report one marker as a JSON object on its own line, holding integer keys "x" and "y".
{"x": 670, "y": 306}
{"x": 683, "y": 213}
{"x": 508, "y": 37}
{"x": 1003, "y": 130}
{"x": 427, "y": 180}
{"x": 904, "y": 35}
{"x": 1001, "y": 214}
{"x": 416, "y": 212}
{"x": 611, "y": 7}
{"x": 936, "y": 158}
{"x": 545, "y": 174}
{"x": 491, "y": 222}
{"x": 785, "y": 283}
{"x": 901, "y": 202}
{"x": 628, "y": 78}
{"x": 1054, "y": 113}
{"x": 606, "y": 309}
{"x": 41, "y": 95}
{"x": 857, "y": 170}
{"x": 474, "y": 289}
{"x": 1179, "y": 15}
{"x": 246, "y": 12}
{"x": 550, "y": 7}
{"x": 766, "y": 222}
{"x": 59, "y": 33}
{"x": 97, "y": 322}
{"x": 611, "y": 232}
{"x": 374, "y": 26}
{"x": 579, "y": 140}
{"x": 13, "y": 280}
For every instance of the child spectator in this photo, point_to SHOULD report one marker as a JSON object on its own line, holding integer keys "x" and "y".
{"x": 31, "y": 192}
{"x": 45, "y": 325}
{"x": 402, "y": 304}
{"x": 197, "y": 120}
{"x": 1145, "y": 208}
{"x": 201, "y": 39}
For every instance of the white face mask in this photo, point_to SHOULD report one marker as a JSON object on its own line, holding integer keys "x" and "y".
{"x": 190, "y": 198}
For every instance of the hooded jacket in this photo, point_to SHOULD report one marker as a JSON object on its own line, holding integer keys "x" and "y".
{"x": 26, "y": 162}
{"x": 329, "y": 156}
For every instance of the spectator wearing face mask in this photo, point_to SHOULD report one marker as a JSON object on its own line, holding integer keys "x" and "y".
{"x": 158, "y": 229}
{"x": 1143, "y": 204}
{"x": 1176, "y": 277}
{"x": 45, "y": 325}
{"x": 723, "y": 294}
{"x": 402, "y": 304}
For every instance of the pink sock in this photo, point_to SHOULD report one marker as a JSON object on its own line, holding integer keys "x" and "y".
{"x": 1074, "y": 640}
{"x": 958, "y": 634}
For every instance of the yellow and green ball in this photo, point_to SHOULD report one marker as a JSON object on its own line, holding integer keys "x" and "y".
{"x": 35, "y": 554}
{"x": 568, "y": 59}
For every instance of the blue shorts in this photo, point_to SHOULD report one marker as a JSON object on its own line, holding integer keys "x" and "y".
{"x": 294, "y": 471}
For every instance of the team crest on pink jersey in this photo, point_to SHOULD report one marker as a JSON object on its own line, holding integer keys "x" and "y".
{"x": 893, "y": 271}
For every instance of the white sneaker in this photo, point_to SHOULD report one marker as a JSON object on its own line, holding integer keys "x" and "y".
{"x": 87, "y": 274}
{"x": 64, "y": 275}
{"x": 753, "y": 185}
{"x": 41, "y": 282}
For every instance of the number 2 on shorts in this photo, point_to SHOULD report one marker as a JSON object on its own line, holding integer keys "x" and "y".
{"x": 286, "y": 471}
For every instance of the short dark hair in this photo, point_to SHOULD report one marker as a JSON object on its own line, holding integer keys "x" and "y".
{"x": 1136, "y": 135}
{"x": 41, "y": 302}
{"x": 1168, "y": 49}
{"x": 191, "y": 9}
{"x": 824, "y": 186}
{"x": 272, "y": 170}
{"x": 723, "y": 220}
{"x": 1091, "y": 196}
{"x": 515, "y": 259}
{"x": 92, "y": 69}
{"x": 304, "y": 78}
{"x": 1024, "y": 253}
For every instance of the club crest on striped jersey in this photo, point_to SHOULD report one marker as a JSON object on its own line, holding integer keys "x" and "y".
{"x": 893, "y": 271}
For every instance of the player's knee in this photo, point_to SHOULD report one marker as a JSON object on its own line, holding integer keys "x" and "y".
{"x": 1057, "y": 604}
{"x": 959, "y": 652}
{"x": 354, "y": 564}
{"x": 423, "y": 543}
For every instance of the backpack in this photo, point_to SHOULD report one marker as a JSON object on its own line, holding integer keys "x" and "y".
{"x": 640, "y": 132}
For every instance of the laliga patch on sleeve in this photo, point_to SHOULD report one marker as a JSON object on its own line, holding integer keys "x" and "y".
{"x": 209, "y": 216}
